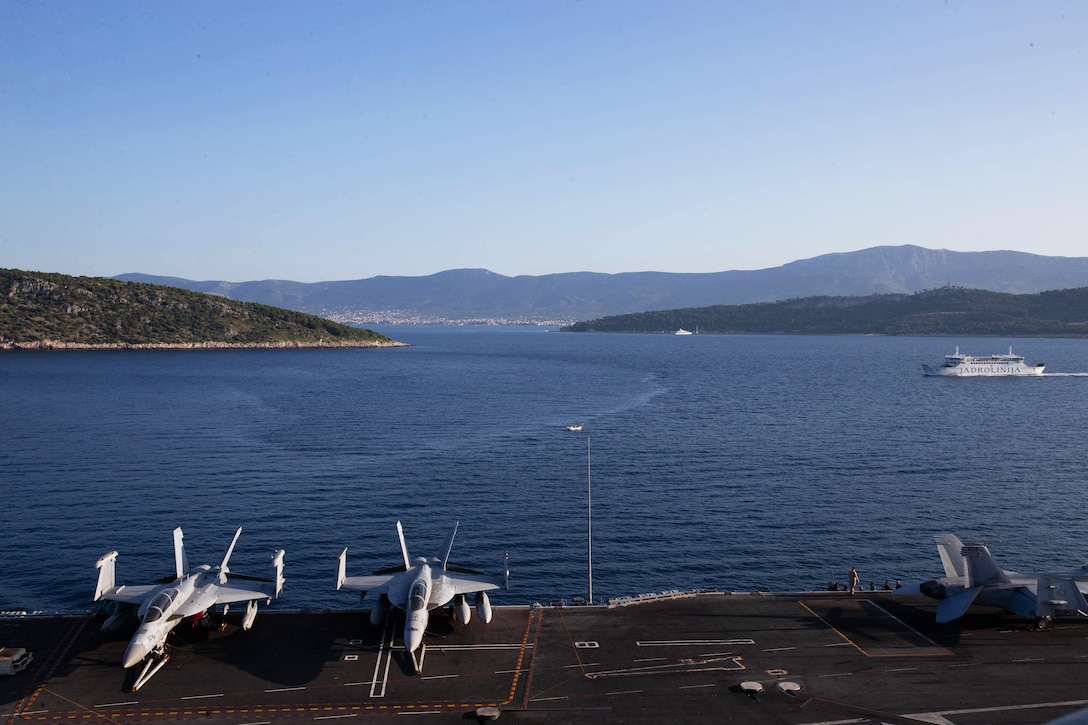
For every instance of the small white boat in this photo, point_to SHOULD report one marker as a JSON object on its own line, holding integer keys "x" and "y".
{"x": 682, "y": 331}
{"x": 576, "y": 426}
{"x": 958, "y": 365}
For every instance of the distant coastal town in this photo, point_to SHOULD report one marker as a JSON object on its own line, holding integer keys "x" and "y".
{"x": 403, "y": 317}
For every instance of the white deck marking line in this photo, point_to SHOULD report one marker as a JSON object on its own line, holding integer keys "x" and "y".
{"x": 201, "y": 697}
{"x": 623, "y": 692}
{"x": 437, "y": 677}
{"x": 902, "y": 669}
{"x": 545, "y": 699}
{"x": 690, "y": 642}
{"x": 510, "y": 672}
{"x": 257, "y": 722}
{"x": 421, "y": 712}
{"x": 886, "y": 613}
{"x": 779, "y": 649}
{"x": 720, "y": 664}
{"x": 1003, "y": 708}
{"x": 285, "y": 689}
{"x": 470, "y": 647}
{"x": 584, "y": 664}
{"x": 335, "y": 717}
{"x": 119, "y": 704}
{"x": 695, "y": 687}
{"x": 378, "y": 684}
{"x": 839, "y": 674}
{"x": 650, "y": 659}
{"x": 356, "y": 684}
{"x": 840, "y": 644}
{"x": 1030, "y": 659}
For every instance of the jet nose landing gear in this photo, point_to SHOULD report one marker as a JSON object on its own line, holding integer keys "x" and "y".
{"x": 153, "y": 664}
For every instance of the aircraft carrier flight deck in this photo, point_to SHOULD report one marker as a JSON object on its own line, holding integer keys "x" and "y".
{"x": 801, "y": 658}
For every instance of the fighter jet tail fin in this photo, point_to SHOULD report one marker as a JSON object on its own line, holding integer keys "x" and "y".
{"x": 403, "y": 547}
{"x": 230, "y": 549}
{"x": 449, "y": 545}
{"x": 106, "y": 566}
{"x": 950, "y": 548}
{"x": 223, "y": 570}
{"x": 981, "y": 567}
{"x": 277, "y": 566}
{"x": 181, "y": 564}
{"x": 341, "y": 572}
{"x": 953, "y": 607}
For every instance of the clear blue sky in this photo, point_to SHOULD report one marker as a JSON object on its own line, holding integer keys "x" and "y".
{"x": 315, "y": 140}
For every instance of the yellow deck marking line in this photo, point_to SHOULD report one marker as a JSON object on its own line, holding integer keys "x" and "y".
{"x": 342, "y": 711}
{"x": 833, "y": 629}
{"x": 521, "y": 653}
{"x": 87, "y": 712}
{"x": 60, "y": 654}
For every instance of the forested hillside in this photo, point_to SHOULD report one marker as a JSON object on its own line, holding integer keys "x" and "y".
{"x": 945, "y": 311}
{"x": 41, "y": 310}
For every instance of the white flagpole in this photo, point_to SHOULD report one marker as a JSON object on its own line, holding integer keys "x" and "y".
{"x": 589, "y": 493}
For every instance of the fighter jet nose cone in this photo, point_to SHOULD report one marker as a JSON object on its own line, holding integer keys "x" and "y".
{"x": 413, "y": 632}
{"x": 135, "y": 654}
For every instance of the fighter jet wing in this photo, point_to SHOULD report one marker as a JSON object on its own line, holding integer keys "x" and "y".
{"x": 1058, "y": 594}
{"x": 465, "y": 583}
{"x": 953, "y": 607}
{"x": 374, "y": 583}
{"x": 208, "y": 597}
{"x": 228, "y": 595}
{"x": 129, "y": 595}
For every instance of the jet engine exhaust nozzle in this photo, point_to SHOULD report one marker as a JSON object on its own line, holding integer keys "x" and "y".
{"x": 933, "y": 589}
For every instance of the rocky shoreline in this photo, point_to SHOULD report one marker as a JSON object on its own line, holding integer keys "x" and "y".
{"x": 211, "y": 345}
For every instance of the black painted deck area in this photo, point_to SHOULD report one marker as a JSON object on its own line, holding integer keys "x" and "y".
{"x": 871, "y": 658}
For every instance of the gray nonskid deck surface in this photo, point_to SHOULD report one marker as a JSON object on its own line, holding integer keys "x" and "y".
{"x": 818, "y": 657}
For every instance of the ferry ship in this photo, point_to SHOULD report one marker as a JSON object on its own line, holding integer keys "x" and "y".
{"x": 984, "y": 367}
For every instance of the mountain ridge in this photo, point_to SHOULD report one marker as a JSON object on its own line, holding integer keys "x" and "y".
{"x": 481, "y": 295}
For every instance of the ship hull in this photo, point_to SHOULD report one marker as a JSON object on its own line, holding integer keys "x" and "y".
{"x": 984, "y": 370}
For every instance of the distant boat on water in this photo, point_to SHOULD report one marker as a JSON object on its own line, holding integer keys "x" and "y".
{"x": 682, "y": 331}
{"x": 576, "y": 426}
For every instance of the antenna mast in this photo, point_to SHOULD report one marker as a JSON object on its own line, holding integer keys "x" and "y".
{"x": 589, "y": 498}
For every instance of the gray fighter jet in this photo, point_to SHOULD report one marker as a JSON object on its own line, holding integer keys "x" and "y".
{"x": 189, "y": 595}
{"x": 422, "y": 585}
{"x": 973, "y": 577}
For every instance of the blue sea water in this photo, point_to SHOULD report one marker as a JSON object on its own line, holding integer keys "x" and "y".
{"x": 727, "y": 461}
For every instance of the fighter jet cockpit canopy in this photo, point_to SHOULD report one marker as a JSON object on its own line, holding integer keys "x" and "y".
{"x": 160, "y": 605}
{"x": 417, "y": 597}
